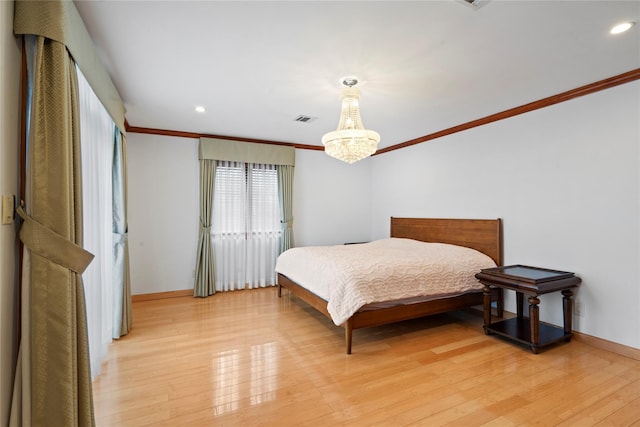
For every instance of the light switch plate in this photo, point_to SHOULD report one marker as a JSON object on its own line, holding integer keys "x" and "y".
{"x": 7, "y": 209}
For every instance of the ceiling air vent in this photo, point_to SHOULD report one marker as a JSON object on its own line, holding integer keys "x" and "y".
{"x": 475, "y": 4}
{"x": 304, "y": 119}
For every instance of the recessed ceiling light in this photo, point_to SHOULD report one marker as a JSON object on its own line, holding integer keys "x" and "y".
{"x": 200, "y": 109}
{"x": 621, "y": 28}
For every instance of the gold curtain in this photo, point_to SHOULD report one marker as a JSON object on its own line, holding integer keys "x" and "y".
{"x": 121, "y": 242}
{"x": 53, "y": 378}
{"x": 285, "y": 199}
{"x": 127, "y": 317}
{"x": 204, "y": 284}
{"x": 248, "y": 152}
{"x": 59, "y": 20}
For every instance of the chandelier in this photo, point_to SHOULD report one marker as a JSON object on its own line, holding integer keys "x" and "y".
{"x": 351, "y": 141}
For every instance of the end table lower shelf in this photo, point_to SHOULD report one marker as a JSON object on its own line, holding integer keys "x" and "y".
{"x": 520, "y": 330}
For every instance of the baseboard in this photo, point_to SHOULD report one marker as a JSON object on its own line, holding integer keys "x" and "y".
{"x": 600, "y": 343}
{"x": 620, "y": 349}
{"x": 613, "y": 347}
{"x": 162, "y": 295}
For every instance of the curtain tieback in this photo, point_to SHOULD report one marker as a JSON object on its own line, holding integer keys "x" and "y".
{"x": 119, "y": 238}
{"x": 48, "y": 244}
{"x": 287, "y": 224}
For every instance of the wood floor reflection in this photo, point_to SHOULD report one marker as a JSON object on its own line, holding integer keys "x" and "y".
{"x": 249, "y": 358}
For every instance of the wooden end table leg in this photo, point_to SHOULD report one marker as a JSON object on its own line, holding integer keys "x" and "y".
{"x": 534, "y": 318}
{"x": 567, "y": 310}
{"x": 520, "y": 305}
{"x": 500, "y": 304}
{"x": 486, "y": 302}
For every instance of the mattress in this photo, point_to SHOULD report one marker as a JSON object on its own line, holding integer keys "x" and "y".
{"x": 349, "y": 277}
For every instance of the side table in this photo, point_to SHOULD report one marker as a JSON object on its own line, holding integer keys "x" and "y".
{"x": 530, "y": 281}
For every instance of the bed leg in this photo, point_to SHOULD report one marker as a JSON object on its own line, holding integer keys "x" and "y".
{"x": 279, "y": 290}
{"x": 348, "y": 331}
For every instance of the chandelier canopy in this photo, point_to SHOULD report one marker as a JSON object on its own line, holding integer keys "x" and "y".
{"x": 351, "y": 141}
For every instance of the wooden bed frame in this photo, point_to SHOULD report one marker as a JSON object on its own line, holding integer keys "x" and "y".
{"x": 479, "y": 234}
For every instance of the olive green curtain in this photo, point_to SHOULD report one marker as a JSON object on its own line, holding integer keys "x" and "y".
{"x": 205, "y": 269}
{"x": 247, "y": 152}
{"x": 121, "y": 278}
{"x": 59, "y": 20}
{"x": 53, "y": 378}
{"x": 285, "y": 198}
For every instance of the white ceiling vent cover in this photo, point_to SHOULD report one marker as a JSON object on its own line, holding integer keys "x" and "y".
{"x": 304, "y": 119}
{"x": 474, "y": 4}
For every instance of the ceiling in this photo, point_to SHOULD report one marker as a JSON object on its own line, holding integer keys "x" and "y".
{"x": 423, "y": 66}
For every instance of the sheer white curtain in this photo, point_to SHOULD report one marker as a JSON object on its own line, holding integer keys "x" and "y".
{"x": 245, "y": 228}
{"x": 96, "y": 143}
{"x": 263, "y": 226}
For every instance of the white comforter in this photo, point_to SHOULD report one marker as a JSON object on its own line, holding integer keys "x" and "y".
{"x": 350, "y": 276}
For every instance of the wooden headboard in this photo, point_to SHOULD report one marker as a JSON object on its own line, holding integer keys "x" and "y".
{"x": 484, "y": 235}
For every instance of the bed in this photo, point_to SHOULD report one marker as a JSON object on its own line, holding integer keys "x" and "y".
{"x": 482, "y": 235}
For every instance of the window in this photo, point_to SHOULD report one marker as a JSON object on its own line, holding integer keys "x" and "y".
{"x": 246, "y": 229}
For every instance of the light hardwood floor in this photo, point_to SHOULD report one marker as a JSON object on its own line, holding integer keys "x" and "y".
{"x": 249, "y": 358}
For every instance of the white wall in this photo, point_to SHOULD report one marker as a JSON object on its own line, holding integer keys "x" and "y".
{"x": 565, "y": 180}
{"x": 9, "y": 142}
{"x": 162, "y": 212}
{"x": 332, "y": 200}
{"x": 331, "y": 206}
